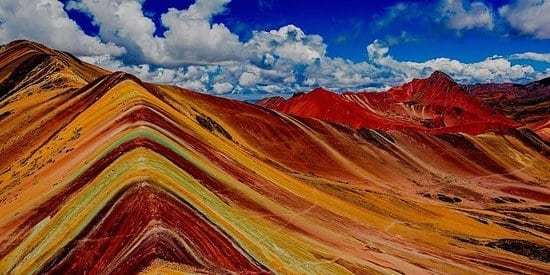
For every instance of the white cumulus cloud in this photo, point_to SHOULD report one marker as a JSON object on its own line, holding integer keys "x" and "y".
{"x": 288, "y": 42}
{"x": 123, "y": 22}
{"x": 45, "y": 21}
{"x": 248, "y": 79}
{"x": 189, "y": 38}
{"x": 542, "y": 57}
{"x": 285, "y": 75}
{"x": 222, "y": 88}
{"x": 492, "y": 69}
{"x": 529, "y": 17}
{"x": 459, "y": 15}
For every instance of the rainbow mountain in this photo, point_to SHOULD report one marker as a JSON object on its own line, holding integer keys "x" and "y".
{"x": 102, "y": 173}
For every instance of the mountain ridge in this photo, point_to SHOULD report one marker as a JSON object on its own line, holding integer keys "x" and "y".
{"x": 436, "y": 104}
{"x": 123, "y": 176}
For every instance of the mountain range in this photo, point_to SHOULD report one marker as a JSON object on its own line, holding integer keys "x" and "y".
{"x": 102, "y": 173}
{"x": 433, "y": 105}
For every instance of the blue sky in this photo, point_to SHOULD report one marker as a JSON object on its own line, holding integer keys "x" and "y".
{"x": 348, "y": 28}
{"x": 267, "y": 46}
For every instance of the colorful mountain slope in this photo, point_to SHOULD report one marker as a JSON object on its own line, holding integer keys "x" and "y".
{"x": 116, "y": 176}
{"x": 528, "y": 104}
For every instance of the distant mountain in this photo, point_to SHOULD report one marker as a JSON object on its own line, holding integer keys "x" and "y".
{"x": 329, "y": 106}
{"x": 528, "y": 104}
{"x": 436, "y": 104}
{"x": 102, "y": 173}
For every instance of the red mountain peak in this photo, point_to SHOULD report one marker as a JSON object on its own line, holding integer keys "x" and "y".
{"x": 436, "y": 103}
{"x": 440, "y": 76}
{"x": 320, "y": 90}
{"x": 438, "y": 83}
{"x": 315, "y": 94}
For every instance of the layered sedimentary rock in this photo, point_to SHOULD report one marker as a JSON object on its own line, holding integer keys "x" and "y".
{"x": 528, "y": 104}
{"x": 103, "y": 173}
